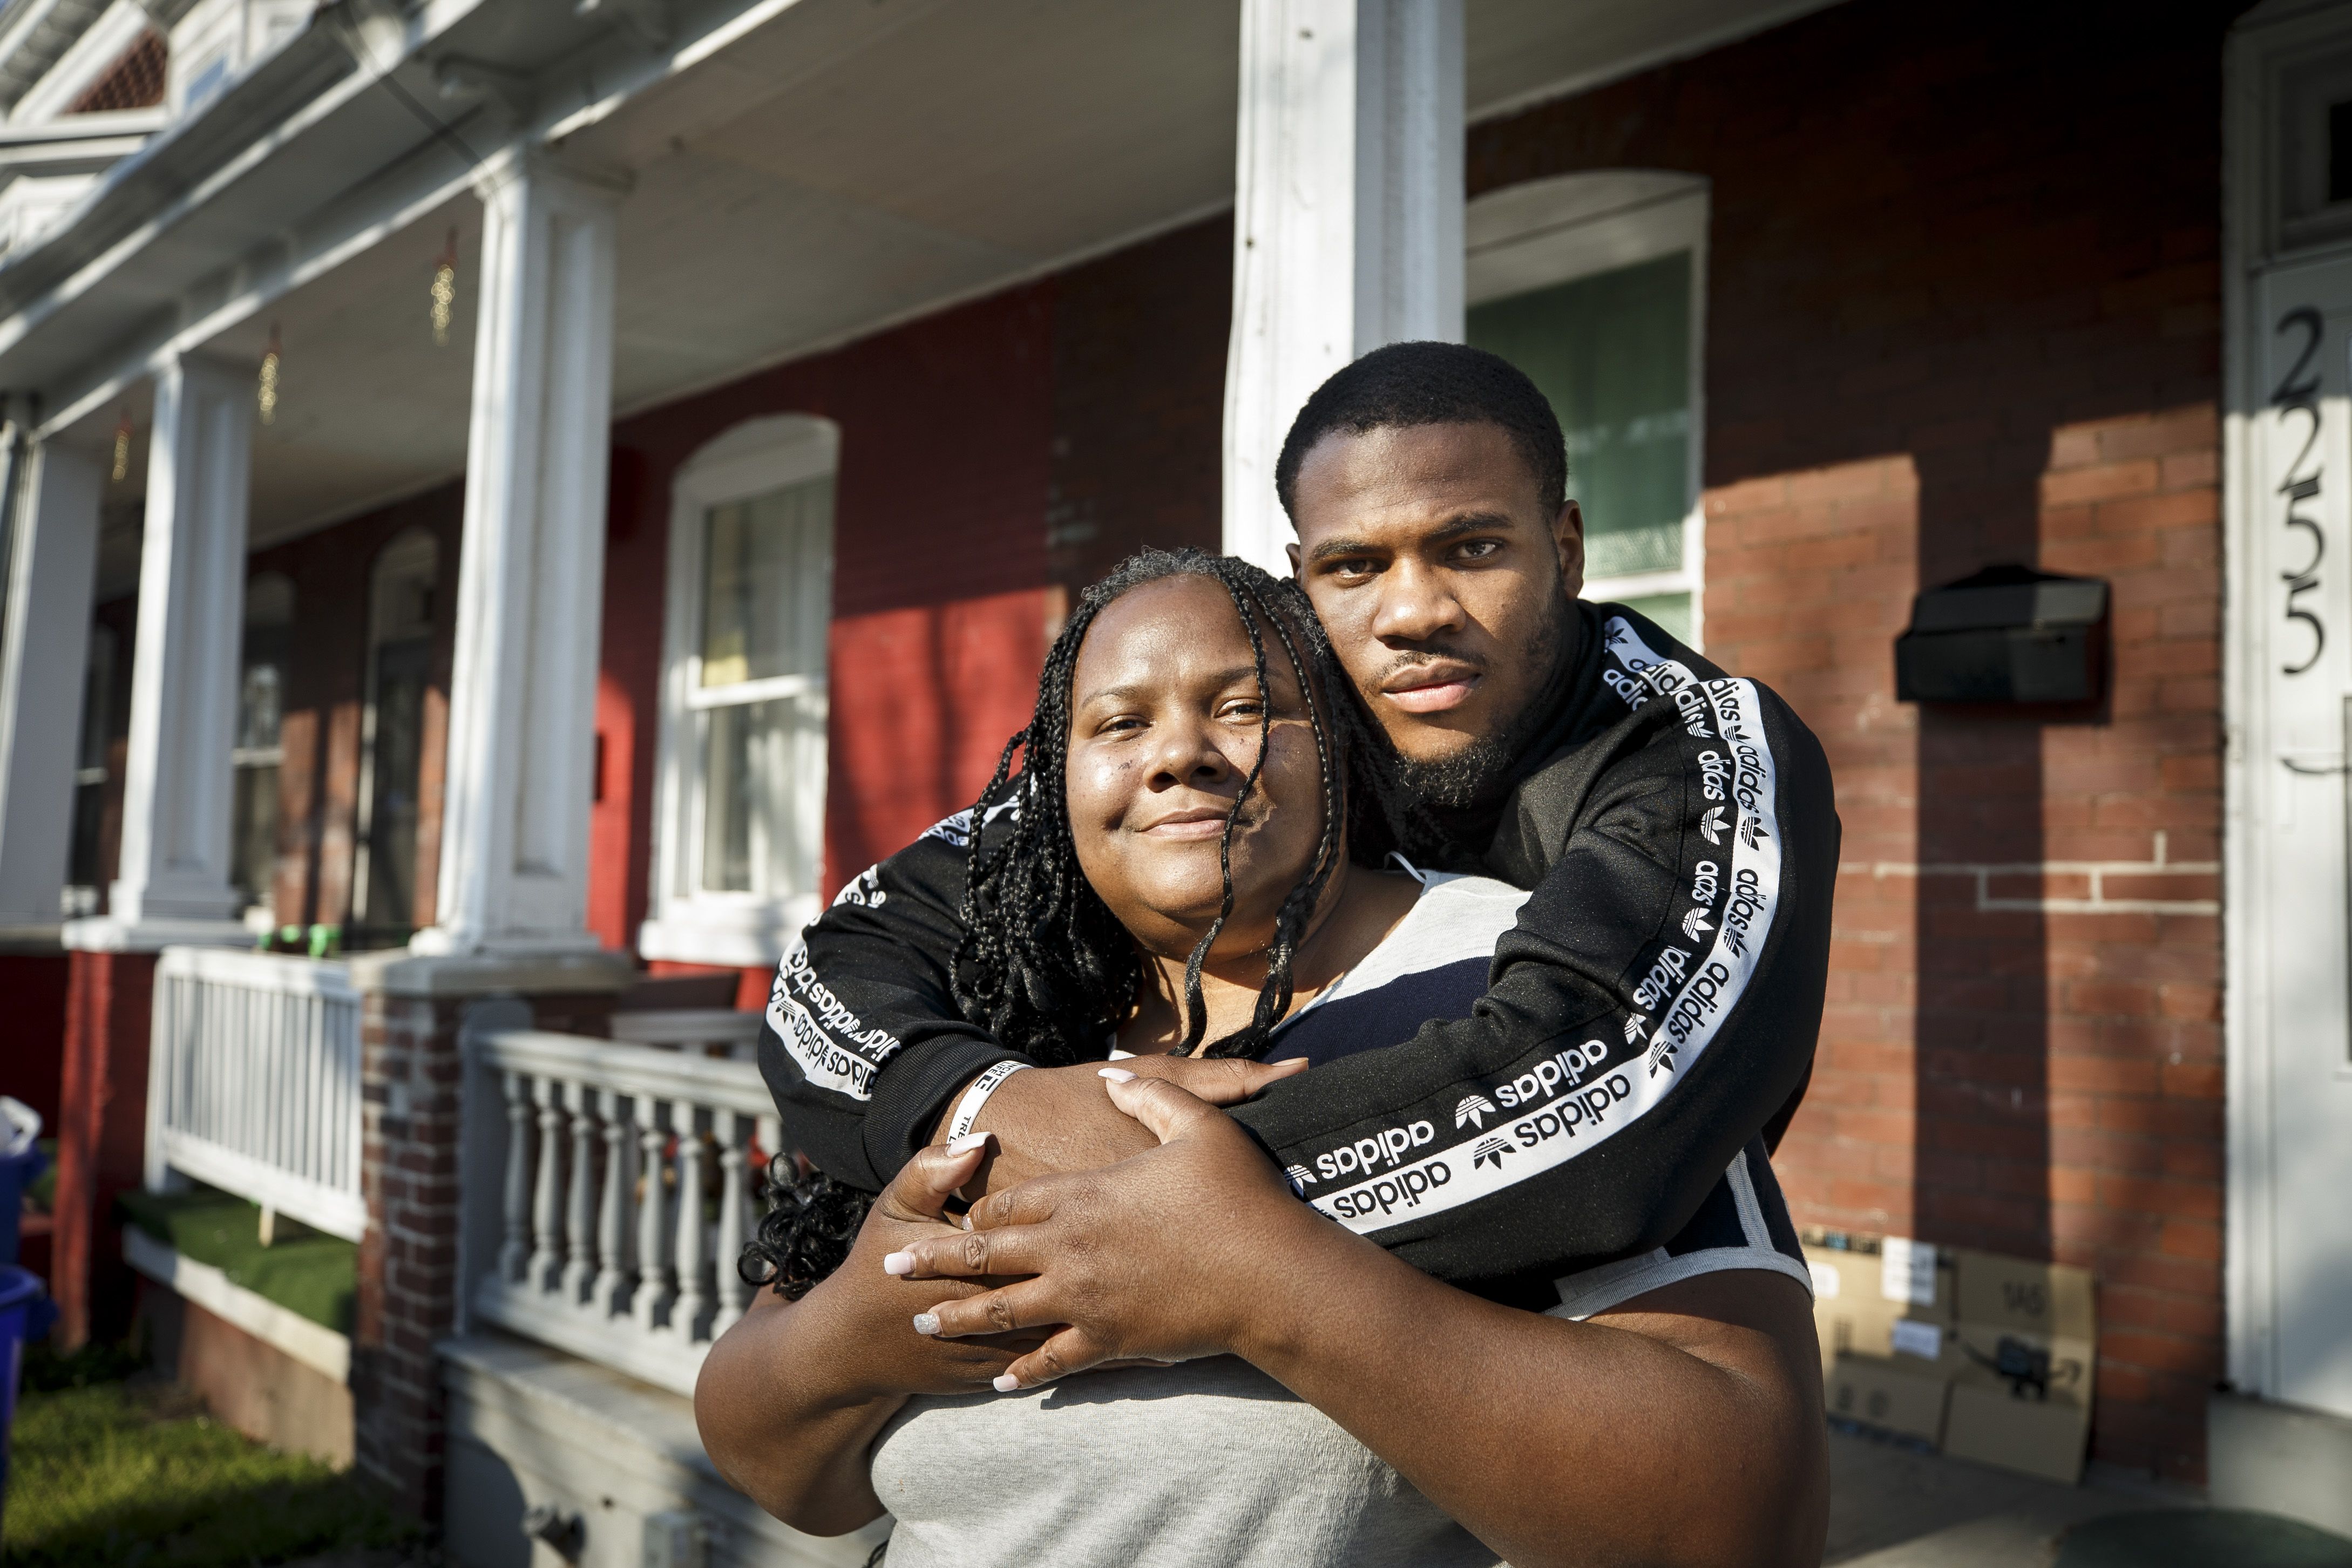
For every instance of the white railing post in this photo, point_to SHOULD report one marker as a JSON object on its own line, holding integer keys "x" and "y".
{"x": 580, "y": 1221}
{"x": 693, "y": 1301}
{"x": 610, "y": 1294}
{"x": 733, "y": 1295}
{"x": 514, "y": 1256}
{"x": 547, "y": 1192}
{"x": 654, "y": 1293}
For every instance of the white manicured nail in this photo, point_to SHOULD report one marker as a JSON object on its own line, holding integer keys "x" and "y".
{"x": 1008, "y": 1384}
{"x": 1116, "y": 1074}
{"x": 1119, "y": 1055}
{"x": 899, "y": 1263}
{"x": 927, "y": 1323}
{"x": 1286, "y": 1062}
{"x": 968, "y": 1142}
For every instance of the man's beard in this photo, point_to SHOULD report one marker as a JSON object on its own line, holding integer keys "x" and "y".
{"x": 1484, "y": 770}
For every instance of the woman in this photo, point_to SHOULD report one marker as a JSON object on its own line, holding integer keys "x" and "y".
{"x": 1170, "y": 868}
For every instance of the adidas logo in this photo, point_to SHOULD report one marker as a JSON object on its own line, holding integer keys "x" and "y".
{"x": 1490, "y": 1151}
{"x": 1300, "y": 1176}
{"x": 1751, "y": 830}
{"x": 1694, "y": 922}
{"x": 1473, "y": 1107}
{"x": 1633, "y": 1027}
{"x": 1711, "y": 825}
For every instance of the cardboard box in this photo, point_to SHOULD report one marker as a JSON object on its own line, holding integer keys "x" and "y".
{"x": 1989, "y": 1424}
{"x": 1889, "y": 1395}
{"x": 1851, "y": 1312}
{"x": 2028, "y": 1335}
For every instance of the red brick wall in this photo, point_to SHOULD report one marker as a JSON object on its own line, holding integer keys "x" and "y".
{"x": 1963, "y": 309}
{"x": 101, "y": 1134}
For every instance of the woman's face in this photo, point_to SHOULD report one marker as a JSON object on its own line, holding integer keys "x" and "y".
{"x": 1164, "y": 725}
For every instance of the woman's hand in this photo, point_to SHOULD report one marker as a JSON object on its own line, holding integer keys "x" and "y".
{"x": 1130, "y": 1284}
{"x": 792, "y": 1396}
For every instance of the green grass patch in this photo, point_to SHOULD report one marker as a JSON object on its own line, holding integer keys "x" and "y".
{"x": 306, "y": 1272}
{"x": 129, "y": 1475}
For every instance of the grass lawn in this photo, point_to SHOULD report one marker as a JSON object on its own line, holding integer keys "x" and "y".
{"x": 108, "y": 1471}
{"x": 306, "y": 1272}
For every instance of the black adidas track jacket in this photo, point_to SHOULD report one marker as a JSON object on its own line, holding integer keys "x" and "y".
{"x": 1655, "y": 1007}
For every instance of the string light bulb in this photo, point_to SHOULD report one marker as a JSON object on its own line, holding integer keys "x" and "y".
{"x": 265, "y": 395}
{"x": 445, "y": 290}
{"x": 123, "y": 447}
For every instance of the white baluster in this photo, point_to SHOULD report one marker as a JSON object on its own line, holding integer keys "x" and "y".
{"x": 610, "y": 1294}
{"x": 733, "y": 1294}
{"x": 547, "y": 1195}
{"x": 693, "y": 1298}
{"x": 515, "y": 1253}
{"x": 579, "y": 1266}
{"x": 654, "y": 1293}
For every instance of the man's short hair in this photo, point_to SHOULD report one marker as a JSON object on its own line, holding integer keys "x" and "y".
{"x": 1408, "y": 384}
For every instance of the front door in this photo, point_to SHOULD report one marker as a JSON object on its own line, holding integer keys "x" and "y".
{"x": 2290, "y": 585}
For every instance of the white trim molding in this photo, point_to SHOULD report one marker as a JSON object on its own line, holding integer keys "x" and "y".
{"x": 689, "y": 923}
{"x": 1547, "y": 231}
{"x": 2286, "y": 645}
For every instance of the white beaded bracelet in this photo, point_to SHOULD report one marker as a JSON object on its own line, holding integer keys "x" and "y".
{"x": 968, "y": 1109}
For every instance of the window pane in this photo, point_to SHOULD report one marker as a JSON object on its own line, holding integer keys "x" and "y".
{"x": 1672, "y": 612}
{"x": 255, "y": 833}
{"x": 1613, "y": 353}
{"x": 762, "y": 786}
{"x": 765, "y": 592}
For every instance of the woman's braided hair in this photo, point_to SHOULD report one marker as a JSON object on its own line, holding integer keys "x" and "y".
{"x": 1044, "y": 966}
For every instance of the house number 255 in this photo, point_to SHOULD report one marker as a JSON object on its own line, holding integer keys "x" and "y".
{"x": 2298, "y": 395}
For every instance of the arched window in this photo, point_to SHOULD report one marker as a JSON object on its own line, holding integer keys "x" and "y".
{"x": 260, "y": 707}
{"x": 1595, "y": 285}
{"x": 741, "y": 801}
{"x": 401, "y": 612}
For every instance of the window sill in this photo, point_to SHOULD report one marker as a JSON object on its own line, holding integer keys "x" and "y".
{"x": 741, "y": 935}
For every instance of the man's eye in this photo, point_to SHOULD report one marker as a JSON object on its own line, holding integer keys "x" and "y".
{"x": 1477, "y": 549}
{"x": 1354, "y": 568}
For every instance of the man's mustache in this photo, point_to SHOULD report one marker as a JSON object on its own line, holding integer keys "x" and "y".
{"x": 1415, "y": 658}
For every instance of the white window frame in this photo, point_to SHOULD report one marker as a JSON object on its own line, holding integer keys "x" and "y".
{"x": 1548, "y": 232}
{"x": 687, "y": 922}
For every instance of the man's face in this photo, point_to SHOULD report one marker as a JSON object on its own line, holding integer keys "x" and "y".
{"x": 1445, "y": 588}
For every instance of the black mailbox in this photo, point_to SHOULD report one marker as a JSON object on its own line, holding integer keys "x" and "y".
{"x": 2008, "y": 634}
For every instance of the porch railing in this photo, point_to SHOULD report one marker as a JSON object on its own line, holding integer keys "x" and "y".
{"x": 253, "y": 1081}
{"x": 712, "y": 1031}
{"x": 609, "y": 1191}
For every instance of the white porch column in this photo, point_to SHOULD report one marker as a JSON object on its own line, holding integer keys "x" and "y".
{"x": 52, "y": 548}
{"x": 522, "y": 702}
{"x": 172, "y": 880}
{"x": 1347, "y": 217}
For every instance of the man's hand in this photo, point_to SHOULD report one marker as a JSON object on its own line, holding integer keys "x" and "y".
{"x": 1051, "y": 1119}
{"x": 1102, "y": 1252}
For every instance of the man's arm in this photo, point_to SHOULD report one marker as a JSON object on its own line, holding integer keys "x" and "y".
{"x": 1654, "y": 1008}
{"x": 869, "y": 986}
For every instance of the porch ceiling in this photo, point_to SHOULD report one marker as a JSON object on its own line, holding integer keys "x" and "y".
{"x": 839, "y": 166}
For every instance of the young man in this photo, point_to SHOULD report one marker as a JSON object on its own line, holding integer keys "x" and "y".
{"x": 1655, "y": 1007}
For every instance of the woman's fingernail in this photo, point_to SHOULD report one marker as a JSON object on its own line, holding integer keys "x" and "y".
{"x": 1008, "y": 1384}
{"x": 1116, "y": 1074}
{"x": 899, "y": 1263}
{"x": 968, "y": 1142}
{"x": 927, "y": 1323}
{"x": 1287, "y": 1061}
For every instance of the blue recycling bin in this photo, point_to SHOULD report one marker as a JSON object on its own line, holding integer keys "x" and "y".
{"x": 18, "y": 1172}
{"x": 23, "y": 1313}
